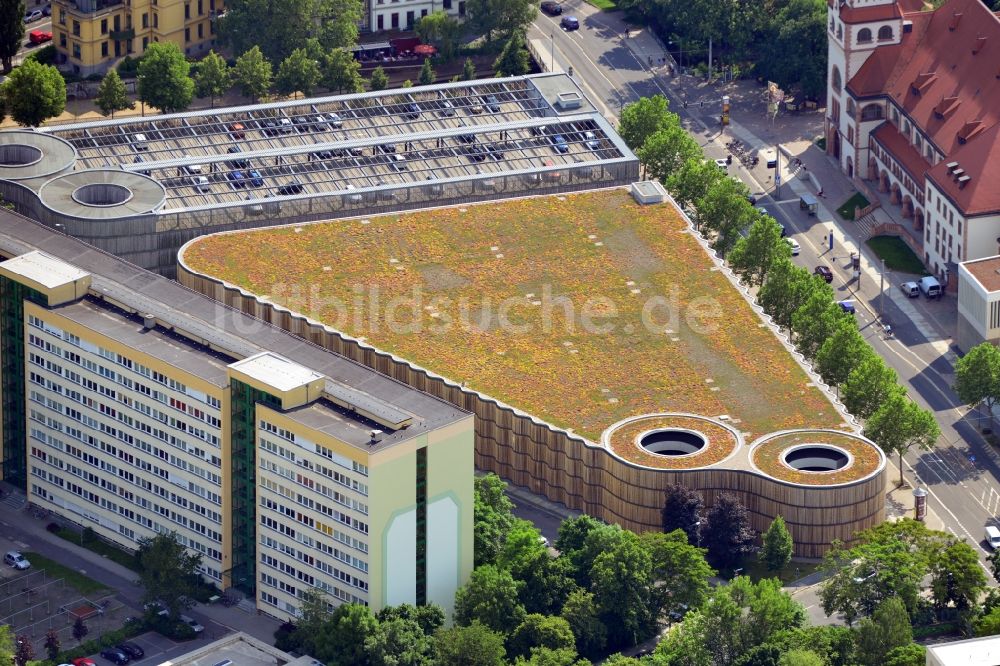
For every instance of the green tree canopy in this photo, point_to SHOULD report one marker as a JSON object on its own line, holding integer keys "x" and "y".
{"x": 800, "y": 658}
{"x": 691, "y": 182}
{"x": 581, "y": 613}
{"x": 492, "y": 518}
{"x": 906, "y": 655}
{"x": 666, "y": 150}
{"x": 427, "y": 75}
{"x": 468, "y": 70}
{"x": 728, "y": 535}
{"x": 957, "y": 578}
{"x": 785, "y": 288}
{"x": 474, "y": 645}
{"x": 682, "y": 509}
{"x": 164, "y": 78}
{"x": 841, "y": 352}
{"x": 777, "y": 545}
{"x": 513, "y": 59}
{"x": 33, "y": 93}
{"x": 213, "y": 78}
{"x": 754, "y": 254}
{"x": 679, "y": 569}
{"x": 500, "y": 18}
{"x": 252, "y": 74}
{"x": 379, "y": 80}
{"x": 341, "y": 641}
{"x": 725, "y": 211}
{"x": 887, "y": 628}
{"x": 442, "y": 30}
{"x": 333, "y": 23}
{"x": 899, "y": 425}
{"x": 399, "y": 642}
{"x": 868, "y": 386}
{"x": 988, "y": 624}
{"x": 341, "y": 72}
{"x": 111, "y": 94}
{"x": 815, "y": 320}
{"x": 297, "y": 73}
{"x": 168, "y": 573}
{"x": 429, "y": 617}
{"x": 11, "y": 31}
{"x": 491, "y": 597}
{"x": 642, "y": 119}
{"x": 540, "y": 631}
{"x": 624, "y": 590}
{"x": 795, "y": 55}
{"x": 977, "y": 376}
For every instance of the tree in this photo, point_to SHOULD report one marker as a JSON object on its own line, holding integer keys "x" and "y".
{"x": 500, "y": 18}
{"x": 11, "y": 31}
{"x": 442, "y": 30}
{"x": 795, "y": 55}
{"x": 777, "y": 545}
{"x": 474, "y": 645}
{"x": 548, "y": 582}
{"x": 540, "y": 631}
{"x": 906, "y": 655}
{"x": 111, "y": 95}
{"x": 725, "y": 211}
{"x": 753, "y": 255}
{"x": 399, "y": 642}
{"x": 667, "y": 149}
{"x": 977, "y": 376}
{"x": 988, "y": 624}
{"x": 168, "y": 572}
{"x": 841, "y": 352}
{"x": 728, "y": 535}
{"x": 684, "y": 644}
{"x": 33, "y": 93}
{"x": 341, "y": 641}
{"x": 164, "y": 78}
{"x": 869, "y": 385}
{"x": 429, "y": 617}
{"x": 691, "y": 182}
{"x": 899, "y": 425}
{"x": 957, "y": 579}
{"x": 623, "y": 586}
{"x": 815, "y": 320}
{"x": 341, "y": 72}
{"x": 580, "y": 612}
{"x": 490, "y": 596}
{"x": 80, "y": 630}
{"x": 786, "y": 287}
{"x": 887, "y": 628}
{"x": 543, "y": 656}
{"x": 492, "y": 518}
{"x": 680, "y": 569}
{"x": 573, "y": 532}
{"x": 800, "y": 658}
{"x": 252, "y": 73}
{"x": 297, "y": 73}
{"x": 332, "y": 23}
{"x": 642, "y": 119}
{"x": 427, "y": 75}
{"x": 52, "y": 644}
{"x": 468, "y": 70}
{"x": 213, "y": 78}
{"x": 23, "y": 650}
{"x": 6, "y": 645}
{"x": 682, "y": 507}
{"x": 835, "y": 644}
{"x": 601, "y": 539}
{"x": 379, "y": 79}
{"x": 513, "y": 59}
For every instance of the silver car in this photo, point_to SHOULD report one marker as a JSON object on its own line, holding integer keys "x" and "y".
{"x": 15, "y": 559}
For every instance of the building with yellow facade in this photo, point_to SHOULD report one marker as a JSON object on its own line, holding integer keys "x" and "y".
{"x": 94, "y": 35}
{"x": 134, "y": 406}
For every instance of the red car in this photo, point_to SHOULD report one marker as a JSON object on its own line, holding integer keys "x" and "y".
{"x": 84, "y": 661}
{"x": 39, "y": 36}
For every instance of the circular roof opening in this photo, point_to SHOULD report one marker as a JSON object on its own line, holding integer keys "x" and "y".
{"x": 816, "y": 458}
{"x": 102, "y": 194}
{"x": 18, "y": 154}
{"x": 672, "y": 442}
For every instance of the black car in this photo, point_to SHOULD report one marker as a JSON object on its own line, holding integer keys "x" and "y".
{"x": 494, "y": 151}
{"x": 412, "y": 111}
{"x": 491, "y": 103}
{"x": 570, "y": 23}
{"x": 240, "y": 163}
{"x": 131, "y": 649}
{"x": 475, "y": 152}
{"x": 552, "y": 8}
{"x": 115, "y": 655}
{"x": 293, "y": 187}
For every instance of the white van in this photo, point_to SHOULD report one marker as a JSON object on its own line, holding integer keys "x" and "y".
{"x": 992, "y": 537}
{"x": 794, "y": 244}
{"x": 930, "y": 286}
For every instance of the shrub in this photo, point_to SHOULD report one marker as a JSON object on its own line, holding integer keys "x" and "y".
{"x": 128, "y": 67}
{"x": 45, "y": 55}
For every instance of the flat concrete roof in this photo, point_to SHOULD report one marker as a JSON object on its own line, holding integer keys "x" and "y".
{"x": 237, "y": 649}
{"x": 986, "y": 271}
{"x": 273, "y": 370}
{"x": 973, "y": 652}
{"x": 331, "y": 145}
{"x": 44, "y": 269}
{"x": 203, "y": 336}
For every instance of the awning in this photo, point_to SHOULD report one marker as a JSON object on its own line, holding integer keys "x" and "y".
{"x": 424, "y": 50}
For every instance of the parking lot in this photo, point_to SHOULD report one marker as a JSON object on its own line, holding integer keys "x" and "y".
{"x": 335, "y": 145}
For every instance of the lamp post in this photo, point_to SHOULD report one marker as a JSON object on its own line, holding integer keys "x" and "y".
{"x": 697, "y": 533}
{"x": 680, "y": 55}
{"x": 552, "y": 57}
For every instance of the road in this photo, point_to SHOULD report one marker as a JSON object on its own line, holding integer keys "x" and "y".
{"x": 962, "y": 474}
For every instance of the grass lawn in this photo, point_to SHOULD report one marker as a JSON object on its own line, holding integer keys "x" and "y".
{"x": 100, "y": 547}
{"x": 581, "y": 309}
{"x": 83, "y": 584}
{"x": 897, "y": 254}
{"x": 857, "y": 200}
{"x": 795, "y": 569}
{"x": 604, "y": 5}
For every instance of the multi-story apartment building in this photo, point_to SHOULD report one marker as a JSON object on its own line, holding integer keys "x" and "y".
{"x": 137, "y": 411}
{"x": 93, "y": 35}
{"x": 380, "y": 15}
{"x": 913, "y": 104}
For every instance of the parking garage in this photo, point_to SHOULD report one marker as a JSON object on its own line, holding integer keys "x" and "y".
{"x": 314, "y": 159}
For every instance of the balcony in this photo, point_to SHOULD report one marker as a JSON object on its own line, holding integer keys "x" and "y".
{"x": 122, "y": 35}
{"x": 89, "y": 8}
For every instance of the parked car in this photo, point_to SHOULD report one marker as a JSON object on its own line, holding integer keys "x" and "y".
{"x": 131, "y": 649}
{"x": 931, "y": 287}
{"x": 559, "y": 143}
{"x": 387, "y": 148}
{"x": 34, "y": 15}
{"x": 240, "y": 162}
{"x": 39, "y": 36}
{"x": 590, "y": 140}
{"x": 237, "y": 131}
{"x": 992, "y": 537}
{"x": 825, "y": 273}
{"x": 570, "y": 23}
{"x": 911, "y": 289}
{"x": 722, "y": 164}
{"x": 293, "y": 187}
{"x": 333, "y": 120}
{"x": 255, "y": 178}
{"x": 15, "y": 559}
{"x": 84, "y": 661}
{"x": 138, "y": 160}
{"x": 412, "y": 111}
{"x": 303, "y": 123}
{"x": 552, "y": 8}
{"x": 237, "y": 179}
{"x": 847, "y": 306}
{"x": 115, "y": 655}
{"x": 201, "y": 184}
{"x": 447, "y": 109}
{"x": 492, "y": 103}
{"x": 794, "y": 244}
{"x": 47, "y": 9}
{"x": 494, "y": 151}
{"x": 475, "y": 152}
{"x": 193, "y": 623}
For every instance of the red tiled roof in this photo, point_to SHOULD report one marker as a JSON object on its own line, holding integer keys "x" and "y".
{"x": 865, "y": 14}
{"x": 980, "y": 159}
{"x": 904, "y": 153}
{"x": 911, "y": 6}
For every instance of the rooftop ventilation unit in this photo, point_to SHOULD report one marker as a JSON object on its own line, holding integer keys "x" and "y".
{"x": 376, "y": 437}
{"x": 907, "y": 26}
{"x": 951, "y": 166}
{"x": 963, "y": 181}
{"x": 978, "y": 45}
{"x": 569, "y": 100}
{"x": 148, "y": 322}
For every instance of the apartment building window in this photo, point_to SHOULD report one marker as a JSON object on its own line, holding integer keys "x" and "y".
{"x": 145, "y": 24}
{"x": 62, "y": 39}
{"x": 104, "y": 26}
{"x": 104, "y": 49}
{"x": 211, "y": 5}
{"x": 117, "y": 22}
{"x": 201, "y": 30}
{"x": 410, "y": 17}
{"x": 62, "y": 17}
{"x": 200, "y": 8}
{"x": 76, "y": 50}
{"x": 447, "y": 4}
{"x": 156, "y": 20}
{"x": 145, "y": 43}
{"x": 76, "y": 28}
{"x": 187, "y": 11}
{"x": 187, "y": 34}
{"x": 395, "y": 21}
